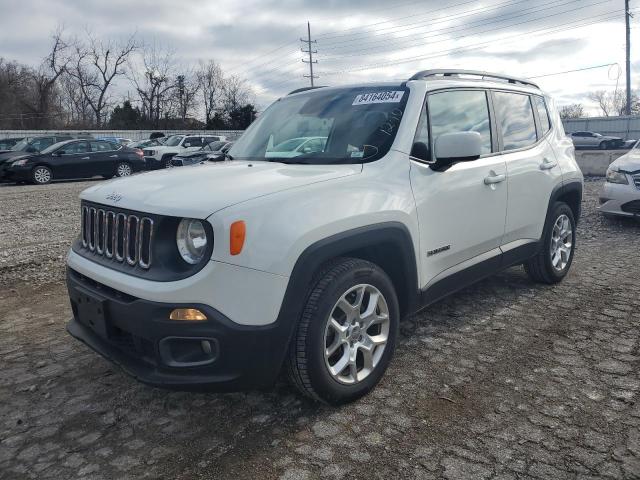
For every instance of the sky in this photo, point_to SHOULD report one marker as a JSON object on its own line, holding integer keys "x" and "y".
{"x": 356, "y": 41}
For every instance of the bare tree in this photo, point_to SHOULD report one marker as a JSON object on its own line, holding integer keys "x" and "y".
{"x": 613, "y": 103}
{"x": 153, "y": 78}
{"x": 187, "y": 87}
{"x": 235, "y": 93}
{"x": 575, "y": 110}
{"x": 211, "y": 82}
{"x": 97, "y": 65}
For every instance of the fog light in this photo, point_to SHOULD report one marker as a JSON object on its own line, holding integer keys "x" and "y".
{"x": 188, "y": 314}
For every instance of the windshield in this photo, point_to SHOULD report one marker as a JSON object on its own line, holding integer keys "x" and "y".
{"x": 21, "y": 145}
{"x": 173, "y": 140}
{"x": 53, "y": 147}
{"x": 213, "y": 146}
{"x": 345, "y": 125}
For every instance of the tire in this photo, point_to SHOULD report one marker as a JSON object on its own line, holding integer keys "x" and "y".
{"x": 41, "y": 175}
{"x": 166, "y": 161}
{"x": 546, "y": 266}
{"x": 123, "y": 169}
{"x": 340, "y": 282}
{"x": 603, "y": 145}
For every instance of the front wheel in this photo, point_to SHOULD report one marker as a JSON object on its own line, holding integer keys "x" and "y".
{"x": 123, "y": 169}
{"x": 41, "y": 175}
{"x": 603, "y": 145}
{"x": 553, "y": 261}
{"x": 347, "y": 333}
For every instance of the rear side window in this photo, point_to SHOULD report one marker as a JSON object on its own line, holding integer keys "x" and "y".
{"x": 515, "y": 120}
{"x": 102, "y": 146}
{"x": 543, "y": 113}
{"x": 461, "y": 111}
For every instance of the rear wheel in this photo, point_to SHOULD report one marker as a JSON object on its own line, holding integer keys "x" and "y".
{"x": 41, "y": 175}
{"x": 347, "y": 333}
{"x": 123, "y": 169}
{"x": 553, "y": 261}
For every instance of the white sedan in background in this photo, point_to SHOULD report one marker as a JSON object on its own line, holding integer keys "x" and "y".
{"x": 621, "y": 192}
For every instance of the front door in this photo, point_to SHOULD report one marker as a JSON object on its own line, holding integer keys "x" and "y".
{"x": 461, "y": 210}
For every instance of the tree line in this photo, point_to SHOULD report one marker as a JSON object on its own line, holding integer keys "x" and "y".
{"x": 610, "y": 104}
{"x": 75, "y": 87}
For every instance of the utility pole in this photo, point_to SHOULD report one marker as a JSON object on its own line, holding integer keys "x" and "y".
{"x": 311, "y": 61}
{"x": 627, "y": 18}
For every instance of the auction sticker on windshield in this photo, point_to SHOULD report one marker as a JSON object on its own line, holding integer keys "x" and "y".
{"x": 390, "y": 96}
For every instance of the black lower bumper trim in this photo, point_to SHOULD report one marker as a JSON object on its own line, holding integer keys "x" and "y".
{"x": 133, "y": 333}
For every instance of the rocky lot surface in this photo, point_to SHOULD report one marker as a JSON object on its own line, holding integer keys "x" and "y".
{"x": 504, "y": 380}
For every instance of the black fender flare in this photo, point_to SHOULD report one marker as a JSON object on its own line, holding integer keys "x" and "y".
{"x": 314, "y": 256}
{"x": 573, "y": 186}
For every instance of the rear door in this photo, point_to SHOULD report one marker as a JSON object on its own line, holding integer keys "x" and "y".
{"x": 104, "y": 157}
{"x": 524, "y": 128}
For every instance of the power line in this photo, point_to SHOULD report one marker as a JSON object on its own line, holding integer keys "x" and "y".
{"x": 571, "y": 71}
{"x": 606, "y": 16}
{"x": 419, "y": 24}
{"x": 501, "y": 18}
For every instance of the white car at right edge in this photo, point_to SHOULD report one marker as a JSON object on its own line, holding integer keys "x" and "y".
{"x": 620, "y": 195}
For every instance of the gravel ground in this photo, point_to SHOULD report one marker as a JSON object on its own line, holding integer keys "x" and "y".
{"x": 504, "y": 380}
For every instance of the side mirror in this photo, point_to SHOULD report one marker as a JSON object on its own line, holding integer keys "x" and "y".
{"x": 458, "y": 147}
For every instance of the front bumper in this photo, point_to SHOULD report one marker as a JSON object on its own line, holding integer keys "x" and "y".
{"x": 9, "y": 173}
{"x": 137, "y": 335}
{"x": 152, "y": 163}
{"x": 617, "y": 199}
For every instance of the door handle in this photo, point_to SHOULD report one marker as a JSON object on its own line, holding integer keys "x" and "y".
{"x": 548, "y": 164}
{"x": 85, "y": 158}
{"x": 113, "y": 156}
{"x": 493, "y": 179}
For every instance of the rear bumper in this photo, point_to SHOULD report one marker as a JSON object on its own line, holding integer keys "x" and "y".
{"x": 138, "y": 336}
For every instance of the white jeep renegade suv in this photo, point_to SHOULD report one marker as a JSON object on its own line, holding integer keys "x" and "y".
{"x": 222, "y": 275}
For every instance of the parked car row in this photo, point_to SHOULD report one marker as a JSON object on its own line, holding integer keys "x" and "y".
{"x": 42, "y": 159}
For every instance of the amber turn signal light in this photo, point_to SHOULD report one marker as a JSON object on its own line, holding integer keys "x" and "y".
{"x": 236, "y": 238}
{"x": 188, "y": 314}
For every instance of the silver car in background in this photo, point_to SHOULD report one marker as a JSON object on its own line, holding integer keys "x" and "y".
{"x": 594, "y": 140}
{"x": 621, "y": 192}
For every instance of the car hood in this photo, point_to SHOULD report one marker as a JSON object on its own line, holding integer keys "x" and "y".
{"x": 204, "y": 189}
{"x": 192, "y": 154}
{"x": 12, "y": 155}
{"x": 629, "y": 162}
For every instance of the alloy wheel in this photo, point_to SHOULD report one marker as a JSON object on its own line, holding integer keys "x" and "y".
{"x": 356, "y": 334}
{"x": 124, "y": 170}
{"x": 42, "y": 175}
{"x": 561, "y": 242}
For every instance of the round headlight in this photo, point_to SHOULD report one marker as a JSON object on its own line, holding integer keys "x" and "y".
{"x": 191, "y": 238}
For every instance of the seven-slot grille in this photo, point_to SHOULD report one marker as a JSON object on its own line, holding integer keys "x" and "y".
{"x": 123, "y": 237}
{"x": 636, "y": 179}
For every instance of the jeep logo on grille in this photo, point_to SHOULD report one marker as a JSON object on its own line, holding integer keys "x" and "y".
{"x": 114, "y": 197}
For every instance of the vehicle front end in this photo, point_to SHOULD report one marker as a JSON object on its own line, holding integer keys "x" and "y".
{"x": 17, "y": 169}
{"x": 146, "y": 294}
{"x": 620, "y": 194}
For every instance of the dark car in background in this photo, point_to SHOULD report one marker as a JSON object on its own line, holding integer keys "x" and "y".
{"x": 213, "y": 151}
{"x": 8, "y": 143}
{"x": 74, "y": 159}
{"x": 30, "y": 145}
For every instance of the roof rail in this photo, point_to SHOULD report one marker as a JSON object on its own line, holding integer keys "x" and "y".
{"x": 475, "y": 73}
{"x": 304, "y": 89}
